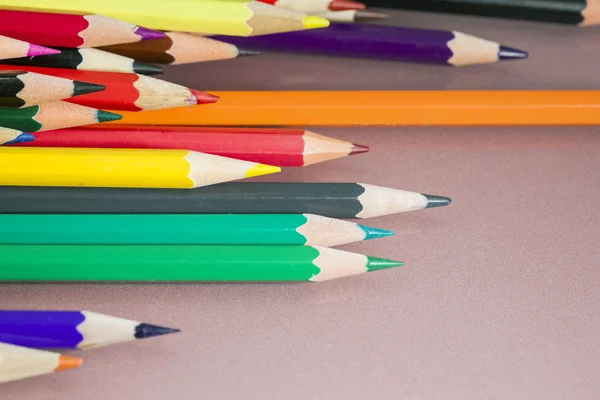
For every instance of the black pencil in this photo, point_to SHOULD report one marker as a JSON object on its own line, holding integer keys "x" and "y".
{"x": 573, "y": 12}
{"x": 23, "y": 89}
{"x": 336, "y": 200}
{"x": 89, "y": 60}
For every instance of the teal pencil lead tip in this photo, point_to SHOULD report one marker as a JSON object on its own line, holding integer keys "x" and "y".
{"x": 375, "y": 233}
{"x": 375, "y": 264}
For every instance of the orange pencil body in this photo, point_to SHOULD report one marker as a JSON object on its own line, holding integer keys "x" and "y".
{"x": 345, "y": 108}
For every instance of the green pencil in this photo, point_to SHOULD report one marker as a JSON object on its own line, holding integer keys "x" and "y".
{"x": 49, "y": 116}
{"x": 221, "y": 229}
{"x": 83, "y": 263}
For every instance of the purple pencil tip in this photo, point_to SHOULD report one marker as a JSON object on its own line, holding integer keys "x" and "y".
{"x": 149, "y": 34}
{"x": 35, "y": 50}
{"x": 510, "y": 53}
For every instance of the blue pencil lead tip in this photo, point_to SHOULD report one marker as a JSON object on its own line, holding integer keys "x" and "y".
{"x": 375, "y": 233}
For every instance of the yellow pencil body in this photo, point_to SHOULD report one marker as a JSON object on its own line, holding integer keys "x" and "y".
{"x": 126, "y": 168}
{"x": 225, "y": 17}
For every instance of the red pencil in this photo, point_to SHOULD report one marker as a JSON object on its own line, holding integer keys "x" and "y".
{"x": 65, "y": 30}
{"x": 316, "y": 6}
{"x": 125, "y": 92}
{"x": 279, "y": 147}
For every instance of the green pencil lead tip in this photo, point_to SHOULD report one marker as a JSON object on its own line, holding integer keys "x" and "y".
{"x": 375, "y": 233}
{"x": 105, "y": 116}
{"x": 375, "y": 264}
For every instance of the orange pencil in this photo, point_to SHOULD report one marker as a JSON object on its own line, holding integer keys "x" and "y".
{"x": 344, "y": 108}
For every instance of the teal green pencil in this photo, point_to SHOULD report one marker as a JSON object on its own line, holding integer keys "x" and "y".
{"x": 215, "y": 229}
{"x": 143, "y": 263}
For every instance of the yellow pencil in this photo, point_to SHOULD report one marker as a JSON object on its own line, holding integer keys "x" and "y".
{"x": 223, "y": 17}
{"x": 122, "y": 168}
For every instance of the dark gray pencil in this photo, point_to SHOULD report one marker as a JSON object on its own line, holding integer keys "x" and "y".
{"x": 336, "y": 200}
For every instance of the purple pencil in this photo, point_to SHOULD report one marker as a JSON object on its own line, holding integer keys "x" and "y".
{"x": 384, "y": 42}
{"x": 71, "y": 329}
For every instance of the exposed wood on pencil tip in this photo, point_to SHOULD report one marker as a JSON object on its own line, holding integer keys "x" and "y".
{"x": 510, "y": 53}
{"x": 437, "y": 201}
{"x": 143, "y": 331}
{"x": 358, "y": 149}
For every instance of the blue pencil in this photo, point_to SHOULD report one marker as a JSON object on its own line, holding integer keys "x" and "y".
{"x": 71, "y": 329}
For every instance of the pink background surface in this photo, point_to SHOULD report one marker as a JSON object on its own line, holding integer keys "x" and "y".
{"x": 499, "y": 297}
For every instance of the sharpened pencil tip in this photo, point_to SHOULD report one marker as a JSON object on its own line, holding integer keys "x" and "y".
{"x": 358, "y": 148}
{"x": 510, "y": 53}
{"x": 147, "y": 69}
{"x": 343, "y": 5}
{"x": 80, "y": 88}
{"x": 369, "y": 16}
{"x": 105, "y": 116}
{"x": 36, "y": 50}
{"x": 22, "y": 138}
{"x": 375, "y": 233}
{"x": 143, "y": 331}
{"x": 312, "y": 22}
{"x": 437, "y": 201}
{"x": 203, "y": 97}
{"x": 247, "y": 52}
{"x": 149, "y": 34}
{"x": 68, "y": 362}
{"x": 376, "y": 264}
{"x": 262, "y": 169}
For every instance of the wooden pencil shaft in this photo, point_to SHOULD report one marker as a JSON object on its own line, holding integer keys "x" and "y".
{"x": 384, "y": 108}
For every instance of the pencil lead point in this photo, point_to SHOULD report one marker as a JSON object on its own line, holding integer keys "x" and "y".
{"x": 358, "y": 148}
{"x": 149, "y": 34}
{"x": 80, "y": 88}
{"x": 375, "y": 233}
{"x": 68, "y": 362}
{"x": 203, "y": 97}
{"x": 437, "y": 201}
{"x": 143, "y": 331}
{"x": 147, "y": 69}
{"x": 36, "y": 50}
{"x": 105, "y": 116}
{"x": 247, "y": 52}
{"x": 376, "y": 264}
{"x": 23, "y": 137}
{"x": 343, "y": 5}
{"x": 262, "y": 169}
{"x": 369, "y": 16}
{"x": 510, "y": 53}
{"x": 312, "y": 22}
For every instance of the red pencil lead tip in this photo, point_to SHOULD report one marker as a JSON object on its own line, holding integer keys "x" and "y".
{"x": 342, "y": 5}
{"x": 203, "y": 97}
{"x": 359, "y": 148}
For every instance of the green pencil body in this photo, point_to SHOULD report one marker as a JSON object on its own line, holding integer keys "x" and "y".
{"x": 211, "y": 229}
{"x": 181, "y": 263}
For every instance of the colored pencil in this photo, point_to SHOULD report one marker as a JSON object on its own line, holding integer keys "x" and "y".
{"x": 232, "y": 17}
{"x": 71, "y": 329}
{"x": 64, "y": 30}
{"x": 129, "y": 92}
{"x": 18, "y": 362}
{"x": 89, "y": 60}
{"x": 385, "y": 42}
{"x": 190, "y": 229}
{"x": 352, "y": 16}
{"x": 385, "y": 108}
{"x": 280, "y": 147}
{"x": 12, "y": 48}
{"x": 85, "y": 263}
{"x": 573, "y": 12}
{"x": 48, "y": 116}
{"x": 10, "y": 136}
{"x": 179, "y": 48}
{"x": 22, "y": 89}
{"x": 316, "y": 6}
{"x": 335, "y": 200}
{"x": 178, "y": 169}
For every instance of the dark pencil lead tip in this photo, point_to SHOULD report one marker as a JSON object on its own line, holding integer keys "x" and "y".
{"x": 358, "y": 148}
{"x": 143, "y": 331}
{"x": 247, "y": 52}
{"x": 80, "y": 88}
{"x": 146, "y": 69}
{"x": 369, "y": 16}
{"x": 437, "y": 201}
{"x": 375, "y": 233}
{"x": 149, "y": 34}
{"x": 105, "y": 116}
{"x": 510, "y": 53}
